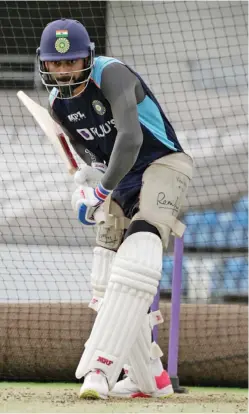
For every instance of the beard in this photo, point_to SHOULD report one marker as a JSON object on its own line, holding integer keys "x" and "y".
{"x": 65, "y": 80}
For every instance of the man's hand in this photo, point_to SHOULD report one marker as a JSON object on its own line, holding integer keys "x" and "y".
{"x": 86, "y": 200}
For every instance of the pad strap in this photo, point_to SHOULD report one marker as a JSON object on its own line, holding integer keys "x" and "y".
{"x": 115, "y": 216}
{"x": 142, "y": 353}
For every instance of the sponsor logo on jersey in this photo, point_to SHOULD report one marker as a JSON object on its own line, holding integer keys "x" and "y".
{"x": 85, "y": 133}
{"x": 97, "y": 132}
{"x": 98, "y": 107}
{"x": 92, "y": 156}
{"x": 77, "y": 116}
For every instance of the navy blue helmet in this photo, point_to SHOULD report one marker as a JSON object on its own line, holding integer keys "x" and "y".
{"x": 65, "y": 39}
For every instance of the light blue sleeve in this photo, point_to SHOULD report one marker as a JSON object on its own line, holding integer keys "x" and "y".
{"x": 151, "y": 118}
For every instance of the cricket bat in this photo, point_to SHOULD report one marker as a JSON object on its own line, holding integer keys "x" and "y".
{"x": 52, "y": 131}
{"x": 57, "y": 137}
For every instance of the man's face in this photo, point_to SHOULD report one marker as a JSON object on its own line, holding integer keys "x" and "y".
{"x": 64, "y": 71}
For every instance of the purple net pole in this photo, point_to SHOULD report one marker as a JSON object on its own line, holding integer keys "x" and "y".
{"x": 175, "y": 308}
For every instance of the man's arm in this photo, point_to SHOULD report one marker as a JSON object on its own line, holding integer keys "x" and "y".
{"x": 119, "y": 86}
{"x": 87, "y": 156}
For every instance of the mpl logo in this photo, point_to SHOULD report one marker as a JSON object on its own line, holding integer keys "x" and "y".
{"x": 77, "y": 116}
{"x": 104, "y": 361}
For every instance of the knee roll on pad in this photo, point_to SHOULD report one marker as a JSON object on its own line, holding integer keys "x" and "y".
{"x": 135, "y": 274}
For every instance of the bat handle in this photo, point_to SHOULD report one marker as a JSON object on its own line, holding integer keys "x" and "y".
{"x": 73, "y": 170}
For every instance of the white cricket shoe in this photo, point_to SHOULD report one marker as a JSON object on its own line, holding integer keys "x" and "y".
{"x": 95, "y": 386}
{"x": 128, "y": 389}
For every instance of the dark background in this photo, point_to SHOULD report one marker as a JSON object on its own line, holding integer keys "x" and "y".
{"x": 22, "y": 22}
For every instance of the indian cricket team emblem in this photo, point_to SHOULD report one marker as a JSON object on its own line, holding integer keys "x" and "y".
{"x": 62, "y": 44}
{"x": 98, "y": 107}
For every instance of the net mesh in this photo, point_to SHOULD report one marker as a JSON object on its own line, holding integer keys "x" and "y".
{"x": 193, "y": 55}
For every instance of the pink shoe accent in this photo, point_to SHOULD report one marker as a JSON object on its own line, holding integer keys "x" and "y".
{"x": 140, "y": 395}
{"x": 163, "y": 380}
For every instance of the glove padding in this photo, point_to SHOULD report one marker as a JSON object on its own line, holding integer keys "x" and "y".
{"x": 90, "y": 176}
{"x": 86, "y": 201}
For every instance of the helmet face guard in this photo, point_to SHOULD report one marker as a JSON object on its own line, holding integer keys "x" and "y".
{"x": 65, "y": 39}
{"x": 66, "y": 89}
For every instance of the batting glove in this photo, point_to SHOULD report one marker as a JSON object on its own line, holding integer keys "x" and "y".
{"x": 90, "y": 175}
{"x": 86, "y": 200}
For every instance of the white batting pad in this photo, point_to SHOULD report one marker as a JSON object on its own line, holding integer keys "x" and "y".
{"x": 142, "y": 353}
{"x": 135, "y": 274}
{"x": 101, "y": 269}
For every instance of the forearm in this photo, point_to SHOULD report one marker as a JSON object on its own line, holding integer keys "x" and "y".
{"x": 123, "y": 158}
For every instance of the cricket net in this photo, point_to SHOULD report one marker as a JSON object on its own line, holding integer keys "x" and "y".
{"x": 194, "y": 57}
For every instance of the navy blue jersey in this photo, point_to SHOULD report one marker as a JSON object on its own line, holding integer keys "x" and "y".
{"x": 89, "y": 120}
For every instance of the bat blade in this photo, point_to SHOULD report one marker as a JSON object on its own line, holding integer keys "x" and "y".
{"x": 51, "y": 129}
{"x": 56, "y": 136}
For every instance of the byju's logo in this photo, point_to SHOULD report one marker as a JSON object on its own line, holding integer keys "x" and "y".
{"x": 85, "y": 133}
{"x": 97, "y": 132}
